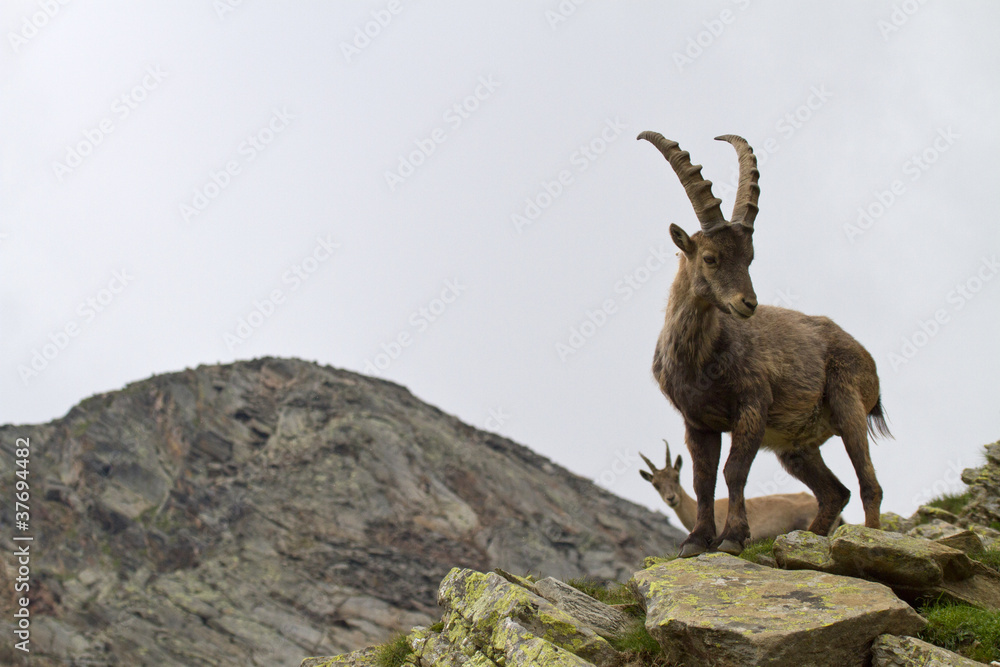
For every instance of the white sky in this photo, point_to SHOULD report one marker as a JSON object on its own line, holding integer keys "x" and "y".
{"x": 117, "y": 115}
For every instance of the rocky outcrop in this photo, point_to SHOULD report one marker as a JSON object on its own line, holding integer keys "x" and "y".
{"x": 710, "y": 610}
{"x": 716, "y": 609}
{"x": 984, "y": 488}
{"x": 253, "y": 513}
{"x": 916, "y": 568}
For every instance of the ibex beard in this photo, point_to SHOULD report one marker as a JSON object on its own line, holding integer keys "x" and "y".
{"x": 776, "y": 378}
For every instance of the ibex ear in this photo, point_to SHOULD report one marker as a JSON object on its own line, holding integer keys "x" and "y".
{"x": 677, "y": 463}
{"x": 682, "y": 240}
{"x": 646, "y": 476}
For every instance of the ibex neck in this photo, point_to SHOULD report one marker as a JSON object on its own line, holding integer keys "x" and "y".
{"x": 692, "y": 324}
{"x": 686, "y": 509}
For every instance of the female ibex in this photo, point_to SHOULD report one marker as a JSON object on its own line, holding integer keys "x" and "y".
{"x": 771, "y": 376}
{"x": 767, "y": 516}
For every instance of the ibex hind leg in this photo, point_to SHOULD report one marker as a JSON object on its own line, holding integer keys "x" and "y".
{"x": 807, "y": 466}
{"x": 850, "y": 419}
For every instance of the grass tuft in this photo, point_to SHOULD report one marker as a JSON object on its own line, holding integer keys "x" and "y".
{"x": 763, "y": 547}
{"x": 611, "y": 592}
{"x": 988, "y": 557}
{"x": 394, "y": 652}
{"x": 952, "y": 502}
{"x": 968, "y": 631}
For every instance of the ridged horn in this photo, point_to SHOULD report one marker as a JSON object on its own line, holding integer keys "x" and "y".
{"x": 699, "y": 189}
{"x": 648, "y": 462}
{"x": 747, "y": 192}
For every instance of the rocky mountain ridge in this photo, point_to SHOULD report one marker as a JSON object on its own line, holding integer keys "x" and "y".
{"x": 253, "y": 513}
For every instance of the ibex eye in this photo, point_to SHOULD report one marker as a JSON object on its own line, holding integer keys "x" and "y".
{"x": 709, "y": 260}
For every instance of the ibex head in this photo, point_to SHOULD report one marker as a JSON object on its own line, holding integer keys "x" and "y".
{"x": 717, "y": 259}
{"x": 666, "y": 481}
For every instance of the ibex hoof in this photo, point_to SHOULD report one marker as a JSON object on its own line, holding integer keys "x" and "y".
{"x": 730, "y": 547}
{"x": 692, "y": 549}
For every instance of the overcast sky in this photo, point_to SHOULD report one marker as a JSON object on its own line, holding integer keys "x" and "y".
{"x": 450, "y": 196}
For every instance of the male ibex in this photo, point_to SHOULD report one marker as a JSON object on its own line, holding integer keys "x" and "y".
{"x": 771, "y": 376}
{"x": 768, "y": 516}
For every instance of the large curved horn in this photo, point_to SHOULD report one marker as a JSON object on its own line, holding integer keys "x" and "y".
{"x": 699, "y": 190}
{"x": 747, "y": 192}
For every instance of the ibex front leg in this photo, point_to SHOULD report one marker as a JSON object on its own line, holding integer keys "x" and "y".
{"x": 748, "y": 433}
{"x": 705, "y": 448}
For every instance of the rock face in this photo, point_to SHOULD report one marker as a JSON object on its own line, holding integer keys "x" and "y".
{"x": 716, "y": 609}
{"x": 984, "y": 486}
{"x": 254, "y": 513}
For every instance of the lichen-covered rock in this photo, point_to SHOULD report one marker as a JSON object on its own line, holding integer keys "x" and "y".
{"x": 892, "y": 651}
{"x": 520, "y": 648}
{"x": 366, "y": 657}
{"x": 603, "y": 619}
{"x": 479, "y": 602}
{"x": 935, "y": 529}
{"x": 966, "y": 541}
{"x": 900, "y": 561}
{"x": 715, "y": 609}
{"x": 432, "y": 648}
{"x": 802, "y": 550}
{"x": 984, "y": 487}
{"x": 895, "y": 523}
{"x": 989, "y": 536}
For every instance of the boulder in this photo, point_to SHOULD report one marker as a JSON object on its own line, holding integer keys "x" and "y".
{"x": 716, "y": 609}
{"x": 914, "y": 567}
{"x": 520, "y": 648}
{"x": 603, "y": 619}
{"x": 903, "y": 562}
{"x": 892, "y": 651}
{"x": 966, "y": 541}
{"x": 802, "y": 550}
{"x": 476, "y": 603}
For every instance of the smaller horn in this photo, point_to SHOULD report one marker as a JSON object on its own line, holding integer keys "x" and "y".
{"x": 649, "y": 463}
{"x": 668, "y": 451}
